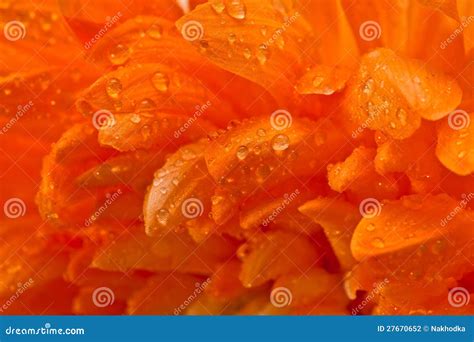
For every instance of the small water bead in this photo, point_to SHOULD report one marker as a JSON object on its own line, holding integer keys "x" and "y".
{"x": 218, "y": 6}
{"x": 378, "y": 243}
{"x": 113, "y": 88}
{"x": 160, "y": 82}
{"x": 232, "y": 38}
{"x": 368, "y": 87}
{"x": 264, "y": 30}
{"x": 242, "y": 152}
{"x": 163, "y": 190}
{"x": 216, "y": 199}
{"x": 280, "y": 142}
{"x": 163, "y": 216}
{"x": 262, "y": 54}
{"x": 402, "y": 116}
{"x": 236, "y": 9}
{"x": 135, "y": 118}
{"x": 84, "y": 107}
{"x": 155, "y": 31}
{"x": 203, "y": 45}
{"x": 263, "y": 171}
{"x": 317, "y": 81}
{"x": 247, "y": 53}
{"x": 119, "y": 54}
{"x": 146, "y": 104}
{"x": 261, "y": 132}
{"x": 370, "y": 227}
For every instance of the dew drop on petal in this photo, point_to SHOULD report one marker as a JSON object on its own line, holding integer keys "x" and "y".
{"x": 113, "y": 88}
{"x": 236, "y": 9}
{"x": 160, "y": 82}
{"x": 280, "y": 142}
{"x": 119, "y": 54}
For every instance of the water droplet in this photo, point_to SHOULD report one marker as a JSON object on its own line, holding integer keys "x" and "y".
{"x": 262, "y": 171}
{"x": 280, "y": 142}
{"x": 264, "y": 30}
{"x": 135, "y": 118}
{"x": 402, "y": 116}
{"x": 242, "y": 152}
{"x": 218, "y": 6}
{"x": 368, "y": 87}
{"x": 317, "y": 81}
{"x": 261, "y": 132}
{"x": 160, "y": 82}
{"x": 462, "y": 154}
{"x": 163, "y": 190}
{"x": 155, "y": 31}
{"x": 247, "y": 53}
{"x": 163, "y": 216}
{"x": 236, "y": 9}
{"x": 84, "y": 107}
{"x": 378, "y": 243}
{"x": 119, "y": 54}
{"x": 370, "y": 227}
{"x": 232, "y": 38}
{"x": 146, "y": 104}
{"x": 262, "y": 54}
{"x": 113, "y": 88}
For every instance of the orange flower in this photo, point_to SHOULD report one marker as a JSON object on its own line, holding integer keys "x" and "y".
{"x": 244, "y": 157}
